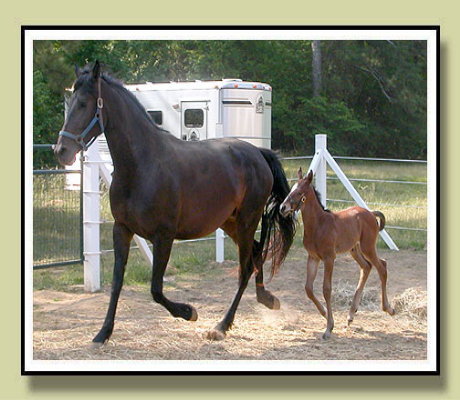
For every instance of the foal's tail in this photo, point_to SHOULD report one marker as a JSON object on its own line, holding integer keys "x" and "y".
{"x": 277, "y": 231}
{"x": 380, "y": 215}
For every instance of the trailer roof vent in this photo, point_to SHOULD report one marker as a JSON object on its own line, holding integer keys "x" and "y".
{"x": 231, "y": 80}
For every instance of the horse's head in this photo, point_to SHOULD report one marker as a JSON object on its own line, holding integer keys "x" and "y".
{"x": 293, "y": 202}
{"x": 84, "y": 116}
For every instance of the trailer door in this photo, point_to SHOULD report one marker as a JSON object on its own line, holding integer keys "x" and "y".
{"x": 194, "y": 124}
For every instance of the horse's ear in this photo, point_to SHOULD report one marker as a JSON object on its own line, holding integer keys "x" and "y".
{"x": 310, "y": 176}
{"x": 96, "y": 70}
{"x": 77, "y": 71}
{"x": 299, "y": 173}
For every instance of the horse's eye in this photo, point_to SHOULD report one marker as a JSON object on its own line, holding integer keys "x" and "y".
{"x": 81, "y": 104}
{"x": 303, "y": 199}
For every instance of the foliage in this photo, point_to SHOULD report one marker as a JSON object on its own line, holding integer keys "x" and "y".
{"x": 372, "y": 103}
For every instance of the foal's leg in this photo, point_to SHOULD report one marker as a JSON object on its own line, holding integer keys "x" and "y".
{"x": 245, "y": 240}
{"x": 161, "y": 251}
{"x": 370, "y": 254}
{"x": 327, "y": 291}
{"x": 312, "y": 270}
{"x": 121, "y": 240}
{"x": 365, "y": 269}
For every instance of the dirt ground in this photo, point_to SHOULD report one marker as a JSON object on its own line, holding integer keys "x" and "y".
{"x": 65, "y": 322}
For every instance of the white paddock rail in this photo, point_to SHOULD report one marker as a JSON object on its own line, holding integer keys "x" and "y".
{"x": 95, "y": 168}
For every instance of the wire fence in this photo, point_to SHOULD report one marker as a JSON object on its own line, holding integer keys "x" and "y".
{"x": 396, "y": 186}
{"x": 57, "y": 217}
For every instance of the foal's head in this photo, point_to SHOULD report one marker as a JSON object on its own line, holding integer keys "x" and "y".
{"x": 81, "y": 124}
{"x": 295, "y": 199}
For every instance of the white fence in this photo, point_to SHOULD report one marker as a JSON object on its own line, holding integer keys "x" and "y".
{"x": 95, "y": 169}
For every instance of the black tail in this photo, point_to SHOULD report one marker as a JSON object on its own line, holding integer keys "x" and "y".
{"x": 380, "y": 215}
{"x": 277, "y": 232}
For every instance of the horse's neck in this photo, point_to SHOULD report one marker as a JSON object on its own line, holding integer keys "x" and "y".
{"x": 311, "y": 210}
{"x": 132, "y": 139}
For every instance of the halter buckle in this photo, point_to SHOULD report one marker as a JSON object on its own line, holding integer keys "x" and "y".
{"x": 100, "y": 103}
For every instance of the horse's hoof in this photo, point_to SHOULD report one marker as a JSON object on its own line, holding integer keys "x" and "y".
{"x": 391, "y": 311}
{"x": 193, "y": 314}
{"x": 349, "y": 321}
{"x": 269, "y": 301}
{"x": 96, "y": 345}
{"x": 326, "y": 335}
{"x": 214, "y": 334}
{"x": 276, "y": 304}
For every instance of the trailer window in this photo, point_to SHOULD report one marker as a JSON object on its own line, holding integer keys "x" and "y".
{"x": 194, "y": 118}
{"x": 157, "y": 116}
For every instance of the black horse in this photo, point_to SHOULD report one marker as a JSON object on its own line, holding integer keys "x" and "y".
{"x": 164, "y": 188}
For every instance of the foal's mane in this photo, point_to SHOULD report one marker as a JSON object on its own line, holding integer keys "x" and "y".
{"x": 318, "y": 197}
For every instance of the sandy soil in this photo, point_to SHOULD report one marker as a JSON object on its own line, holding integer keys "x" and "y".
{"x": 65, "y": 322}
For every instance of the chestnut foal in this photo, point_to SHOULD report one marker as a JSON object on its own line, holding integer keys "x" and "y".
{"x": 329, "y": 233}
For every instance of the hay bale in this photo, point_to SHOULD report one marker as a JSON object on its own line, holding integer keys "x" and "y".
{"x": 344, "y": 291}
{"x": 412, "y": 302}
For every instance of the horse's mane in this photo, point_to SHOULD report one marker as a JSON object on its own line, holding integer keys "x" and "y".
{"x": 84, "y": 81}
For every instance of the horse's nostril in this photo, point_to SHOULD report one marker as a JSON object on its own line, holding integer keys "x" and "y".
{"x": 60, "y": 150}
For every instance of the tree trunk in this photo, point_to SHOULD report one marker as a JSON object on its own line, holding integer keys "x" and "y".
{"x": 316, "y": 67}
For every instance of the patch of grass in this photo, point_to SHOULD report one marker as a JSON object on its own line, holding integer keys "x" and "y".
{"x": 59, "y": 278}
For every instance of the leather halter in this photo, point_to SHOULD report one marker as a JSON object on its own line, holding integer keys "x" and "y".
{"x": 96, "y": 119}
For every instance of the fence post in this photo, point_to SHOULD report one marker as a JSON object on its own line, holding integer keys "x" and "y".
{"x": 220, "y": 250}
{"x": 320, "y": 173}
{"x": 91, "y": 222}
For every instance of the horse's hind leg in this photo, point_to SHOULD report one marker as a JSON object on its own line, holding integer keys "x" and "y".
{"x": 264, "y": 296}
{"x": 161, "y": 252}
{"x": 365, "y": 269}
{"x": 121, "y": 241}
{"x": 312, "y": 270}
{"x": 244, "y": 238}
{"x": 370, "y": 254}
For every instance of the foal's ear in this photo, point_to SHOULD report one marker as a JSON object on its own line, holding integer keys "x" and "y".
{"x": 309, "y": 177}
{"x": 96, "y": 70}
{"x": 299, "y": 173}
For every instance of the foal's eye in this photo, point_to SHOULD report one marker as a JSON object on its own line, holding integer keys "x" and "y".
{"x": 303, "y": 199}
{"x": 81, "y": 104}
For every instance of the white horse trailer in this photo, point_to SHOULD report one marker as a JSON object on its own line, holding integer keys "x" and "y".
{"x": 203, "y": 110}
{"x": 210, "y": 109}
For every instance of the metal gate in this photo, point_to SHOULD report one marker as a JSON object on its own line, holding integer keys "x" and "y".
{"x": 57, "y": 216}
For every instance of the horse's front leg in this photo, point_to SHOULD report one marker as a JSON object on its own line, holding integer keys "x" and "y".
{"x": 121, "y": 241}
{"x": 161, "y": 252}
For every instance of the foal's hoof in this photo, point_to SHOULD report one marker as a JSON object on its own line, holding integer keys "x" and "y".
{"x": 326, "y": 335}
{"x": 349, "y": 321}
{"x": 215, "y": 334}
{"x": 391, "y": 311}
